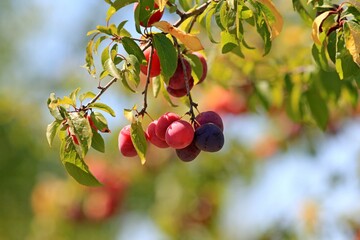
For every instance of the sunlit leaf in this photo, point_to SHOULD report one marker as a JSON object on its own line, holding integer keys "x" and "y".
{"x": 86, "y": 95}
{"x": 191, "y": 42}
{"x": 79, "y": 127}
{"x": 161, "y": 4}
{"x": 103, "y": 107}
{"x": 51, "y": 131}
{"x": 317, "y": 25}
{"x": 139, "y": 140}
{"x": 111, "y": 68}
{"x": 352, "y": 40}
{"x": 156, "y": 86}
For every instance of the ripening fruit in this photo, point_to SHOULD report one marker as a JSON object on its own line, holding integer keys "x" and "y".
{"x": 204, "y": 66}
{"x": 179, "y": 134}
{"x": 180, "y": 92}
{"x": 177, "y": 81}
{"x": 188, "y": 153}
{"x": 126, "y": 145}
{"x": 155, "y": 63}
{"x": 164, "y": 122}
{"x": 209, "y": 117}
{"x": 209, "y": 138}
{"x": 151, "y": 135}
{"x": 155, "y": 17}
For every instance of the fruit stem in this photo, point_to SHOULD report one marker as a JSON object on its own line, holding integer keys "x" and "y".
{"x": 187, "y": 84}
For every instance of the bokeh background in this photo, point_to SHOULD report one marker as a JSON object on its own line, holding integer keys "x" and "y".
{"x": 274, "y": 179}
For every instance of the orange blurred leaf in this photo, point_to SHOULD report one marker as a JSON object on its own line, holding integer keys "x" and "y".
{"x": 192, "y": 42}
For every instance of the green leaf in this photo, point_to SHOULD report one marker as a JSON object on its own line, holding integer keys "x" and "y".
{"x": 75, "y": 165}
{"x": 299, "y": 7}
{"x": 345, "y": 65}
{"x": 98, "y": 42}
{"x": 132, "y": 70}
{"x": 167, "y": 54}
{"x": 139, "y": 140}
{"x": 264, "y": 32}
{"x": 111, "y": 68}
{"x": 73, "y": 95}
{"x": 318, "y": 108}
{"x": 196, "y": 66}
{"x": 132, "y": 48}
{"x": 54, "y": 110}
{"x": 105, "y": 55}
{"x": 97, "y": 142}
{"x": 51, "y": 131}
{"x": 86, "y": 95}
{"x": 120, "y": 27}
{"x": 156, "y": 86}
{"x": 208, "y": 25}
{"x": 103, "y": 107}
{"x": 165, "y": 93}
{"x": 128, "y": 114}
{"x": 320, "y": 57}
{"x": 79, "y": 126}
{"x": 100, "y": 122}
{"x": 228, "y": 42}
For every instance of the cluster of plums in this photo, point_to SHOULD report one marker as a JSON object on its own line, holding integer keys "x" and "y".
{"x": 169, "y": 130}
{"x": 176, "y": 86}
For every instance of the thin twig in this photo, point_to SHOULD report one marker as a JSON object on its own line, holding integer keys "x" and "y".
{"x": 102, "y": 90}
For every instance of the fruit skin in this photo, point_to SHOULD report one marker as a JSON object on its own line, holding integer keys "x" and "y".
{"x": 180, "y": 92}
{"x": 179, "y": 134}
{"x": 155, "y": 17}
{"x": 126, "y": 147}
{"x": 204, "y": 66}
{"x": 155, "y": 64}
{"x": 177, "y": 81}
{"x": 209, "y": 117}
{"x": 188, "y": 153}
{"x": 209, "y": 138}
{"x": 164, "y": 122}
{"x": 153, "y": 138}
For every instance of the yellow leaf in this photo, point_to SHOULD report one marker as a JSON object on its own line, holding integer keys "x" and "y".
{"x": 316, "y": 27}
{"x": 352, "y": 42}
{"x": 161, "y": 4}
{"x": 192, "y": 42}
{"x": 276, "y": 26}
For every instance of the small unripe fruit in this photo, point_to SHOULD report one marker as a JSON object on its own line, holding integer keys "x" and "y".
{"x": 204, "y": 66}
{"x": 153, "y": 138}
{"x": 209, "y": 117}
{"x": 163, "y": 123}
{"x": 126, "y": 146}
{"x": 155, "y": 17}
{"x": 180, "y": 92}
{"x": 155, "y": 63}
{"x": 188, "y": 153}
{"x": 179, "y": 134}
{"x": 177, "y": 81}
{"x": 209, "y": 138}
